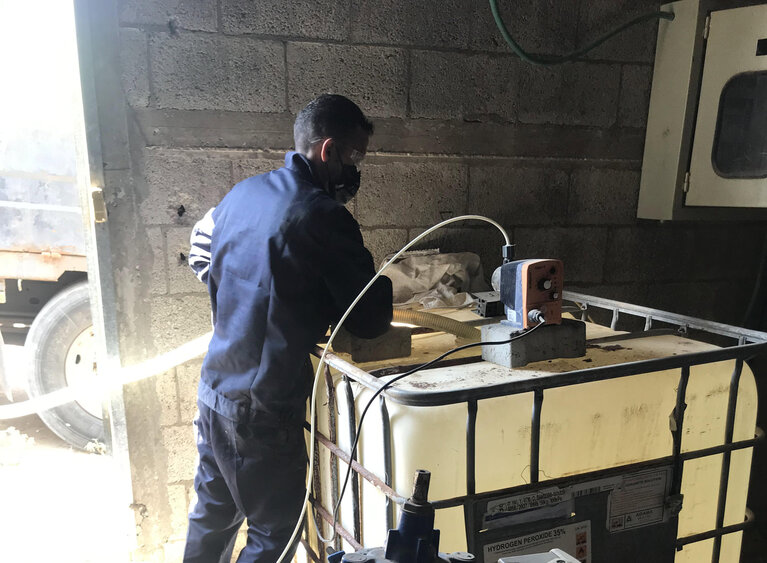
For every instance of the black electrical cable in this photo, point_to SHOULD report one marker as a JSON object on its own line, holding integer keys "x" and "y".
{"x": 544, "y": 61}
{"x": 402, "y": 376}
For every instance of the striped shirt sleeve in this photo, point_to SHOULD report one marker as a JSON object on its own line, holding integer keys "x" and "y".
{"x": 199, "y": 254}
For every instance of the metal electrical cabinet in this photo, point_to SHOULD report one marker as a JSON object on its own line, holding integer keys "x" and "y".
{"x": 638, "y": 451}
{"x": 706, "y": 143}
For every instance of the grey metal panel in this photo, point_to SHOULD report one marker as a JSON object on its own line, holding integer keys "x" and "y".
{"x": 41, "y": 230}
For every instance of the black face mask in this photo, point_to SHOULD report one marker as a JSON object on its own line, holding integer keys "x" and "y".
{"x": 346, "y": 186}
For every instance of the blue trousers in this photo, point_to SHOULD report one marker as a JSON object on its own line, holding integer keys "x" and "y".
{"x": 254, "y": 470}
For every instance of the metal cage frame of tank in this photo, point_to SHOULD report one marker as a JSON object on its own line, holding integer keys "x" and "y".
{"x": 749, "y": 343}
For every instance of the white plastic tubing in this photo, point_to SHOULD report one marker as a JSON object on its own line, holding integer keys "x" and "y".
{"x": 321, "y": 363}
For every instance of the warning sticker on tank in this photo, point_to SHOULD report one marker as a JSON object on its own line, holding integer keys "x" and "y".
{"x": 573, "y": 539}
{"x": 638, "y": 500}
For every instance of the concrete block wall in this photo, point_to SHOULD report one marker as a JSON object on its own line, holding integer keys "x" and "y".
{"x": 210, "y": 89}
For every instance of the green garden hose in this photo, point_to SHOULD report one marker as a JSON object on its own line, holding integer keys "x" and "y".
{"x": 545, "y": 61}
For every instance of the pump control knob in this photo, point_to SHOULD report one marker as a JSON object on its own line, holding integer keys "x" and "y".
{"x": 544, "y": 284}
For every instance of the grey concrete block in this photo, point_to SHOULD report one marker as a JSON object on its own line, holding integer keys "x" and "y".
{"x": 182, "y": 180}
{"x": 395, "y": 343}
{"x": 518, "y": 196}
{"x": 158, "y": 280}
{"x": 188, "y": 376}
{"x": 603, "y": 197}
{"x": 182, "y": 453}
{"x": 320, "y": 19}
{"x": 571, "y": 94}
{"x": 538, "y": 27}
{"x": 649, "y": 253}
{"x": 181, "y": 278}
{"x": 193, "y": 71}
{"x": 179, "y": 508}
{"x": 177, "y": 320}
{"x": 567, "y": 340}
{"x": 134, "y": 58}
{"x": 373, "y": 77}
{"x": 411, "y": 193}
{"x": 167, "y": 395}
{"x": 635, "y": 96}
{"x": 439, "y": 23}
{"x": 247, "y": 167}
{"x": 184, "y": 14}
{"x": 581, "y": 249}
{"x": 469, "y": 86}
{"x": 599, "y": 17}
{"x": 381, "y": 242}
{"x": 720, "y": 252}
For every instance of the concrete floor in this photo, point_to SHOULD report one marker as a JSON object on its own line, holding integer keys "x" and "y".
{"x": 57, "y": 504}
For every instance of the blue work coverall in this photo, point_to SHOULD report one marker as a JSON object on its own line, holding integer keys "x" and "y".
{"x": 285, "y": 261}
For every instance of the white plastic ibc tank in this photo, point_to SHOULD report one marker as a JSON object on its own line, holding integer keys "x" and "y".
{"x": 584, "y": 428}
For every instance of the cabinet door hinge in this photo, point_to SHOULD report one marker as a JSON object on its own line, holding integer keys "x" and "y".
{"x": 686, "y": 183}
{"x": 707, "y": 27}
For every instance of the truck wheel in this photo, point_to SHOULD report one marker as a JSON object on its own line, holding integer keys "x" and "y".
{"x": 62, "y": 351}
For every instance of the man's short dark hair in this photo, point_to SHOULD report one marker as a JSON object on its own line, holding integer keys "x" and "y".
{"x": 328, "y": 115}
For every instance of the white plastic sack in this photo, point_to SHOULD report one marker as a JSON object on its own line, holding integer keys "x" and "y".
{"x": 437, "y": 280}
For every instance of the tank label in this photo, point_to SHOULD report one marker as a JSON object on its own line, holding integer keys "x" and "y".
{"x": 633, "y": 501}
{"x": 638, "y": 500}
{"x": 573, "y": 539}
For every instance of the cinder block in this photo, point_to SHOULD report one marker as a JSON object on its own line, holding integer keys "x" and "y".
{"x": 469, "y": 86}
{"x": 320, "y": 19}
{"x": 188, "y": 376}
{"x": 518, "y": 196}
{"x": 180, "y": 276}
{"x": 179, "y": 511}
{"x": 375, "y": 78}
{"x": 158, "y": 280}
{"x": 566, "y": 340}
{"x": 649, "y": 253}
{"x": 603, "y": 197}
{"x": 177, "y": 320}
{"x": 184, "y": 14}
{"x": 572, "y": 94}
{"x": 439, "y": 23}
{"x": 582, "y": 249}
{"x": 182, "y": 452}
{"x": 722, "y": 253}
{"x": 193, "y": 71}
{"x": 395, "y": 343}
{"x": 635, "y": 96}
{"x": 381, "y": 242}
{"x": 165, "y": 385}
{"x": 538, "y": 27}
{"x": 411, "y": 193}
{"x": 599, "y": 17}
{"x": 174, "y": 550}
{"x": 182, "y": 187}
{"x": 247, "y": 167}
{"x": 134, "y": 58}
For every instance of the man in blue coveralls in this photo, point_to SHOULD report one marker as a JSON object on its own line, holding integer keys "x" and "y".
{"x": 283, "y": 259}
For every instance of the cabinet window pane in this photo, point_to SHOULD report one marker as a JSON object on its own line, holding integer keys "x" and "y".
{"x": 740, "y": 144}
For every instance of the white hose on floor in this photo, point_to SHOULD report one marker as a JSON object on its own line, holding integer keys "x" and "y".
{"x": 321, "y": 363}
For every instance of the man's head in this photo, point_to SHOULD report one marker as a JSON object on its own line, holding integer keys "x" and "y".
{"x": 333, "y": 133}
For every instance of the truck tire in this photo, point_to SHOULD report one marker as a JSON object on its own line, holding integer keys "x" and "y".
{"x": 61, "y": 347}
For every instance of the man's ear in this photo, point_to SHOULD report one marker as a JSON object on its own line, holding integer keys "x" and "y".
{"x": 327, "y": 144}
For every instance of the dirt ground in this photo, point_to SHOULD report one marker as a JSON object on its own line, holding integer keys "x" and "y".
{"x": 57, "y": 504}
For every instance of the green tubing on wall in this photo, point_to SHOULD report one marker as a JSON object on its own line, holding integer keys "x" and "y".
{"x": 544, "y": 61}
